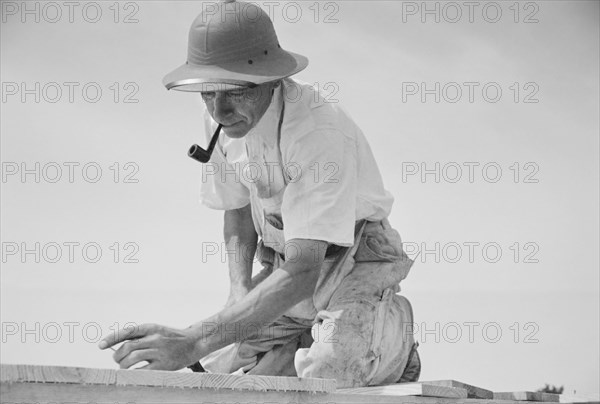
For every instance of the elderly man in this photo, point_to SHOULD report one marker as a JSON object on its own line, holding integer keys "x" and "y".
{"x": 302, "y": 192}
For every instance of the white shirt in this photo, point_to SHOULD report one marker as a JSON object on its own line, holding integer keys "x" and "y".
{"x": 332, "y": 177}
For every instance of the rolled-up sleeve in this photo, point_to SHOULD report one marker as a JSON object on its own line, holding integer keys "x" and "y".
{"x": 221, "y": 186}
{"x": 320, "y": 200}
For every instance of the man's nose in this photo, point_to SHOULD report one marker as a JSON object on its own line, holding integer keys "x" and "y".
{"x": 223, "y": 107}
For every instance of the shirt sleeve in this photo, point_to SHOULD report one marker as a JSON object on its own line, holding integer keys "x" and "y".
{"x": 221, "y": 187}
{"x": 320, "y": 199}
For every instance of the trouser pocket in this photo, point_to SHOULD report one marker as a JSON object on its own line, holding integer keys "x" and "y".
{"x": 381, "y": 312}
{"x": 382, "y": 248}
{"x": 383, "y": 245}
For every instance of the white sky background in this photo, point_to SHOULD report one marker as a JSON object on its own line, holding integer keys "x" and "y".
{"x": 366, "y": 55}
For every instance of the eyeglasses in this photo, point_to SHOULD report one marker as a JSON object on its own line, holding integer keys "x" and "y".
{"x": 236, "y": 96}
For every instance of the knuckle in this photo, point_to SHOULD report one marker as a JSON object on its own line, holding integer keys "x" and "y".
{"x": 153, "y": 338}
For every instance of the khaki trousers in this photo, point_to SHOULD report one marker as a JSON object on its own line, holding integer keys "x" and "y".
{"x": 356, "y": 328}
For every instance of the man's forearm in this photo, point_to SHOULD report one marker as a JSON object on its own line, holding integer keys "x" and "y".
{"x": 265, "y": 303}
{"x": 240, "y": 241}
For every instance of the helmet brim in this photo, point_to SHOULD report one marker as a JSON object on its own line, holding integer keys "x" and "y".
{"x": 227, "y": 76}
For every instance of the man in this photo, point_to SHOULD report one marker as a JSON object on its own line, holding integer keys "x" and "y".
{"x": 301, "y": 190}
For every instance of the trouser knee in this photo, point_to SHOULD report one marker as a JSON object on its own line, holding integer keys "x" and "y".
{"x": 348, "y": 371}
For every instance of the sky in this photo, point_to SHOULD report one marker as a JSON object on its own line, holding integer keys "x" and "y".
{"x": 484, "y": 124}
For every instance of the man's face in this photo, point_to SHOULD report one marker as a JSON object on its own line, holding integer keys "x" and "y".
{"x": 239, "y": 110}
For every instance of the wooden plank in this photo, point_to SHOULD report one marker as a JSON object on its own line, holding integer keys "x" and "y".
{"x": 223, "y": 381}
{"x": 472, "y": 391}
{"x": 56, "y": 374}
{"x": 59, "y": 374}
{"x": 46, "y": 393}
{"x": 527, "y": 396}
{"x": 46, "y": 384}
{"x": 409, "y": 389}
{"x": 52, "y": 393}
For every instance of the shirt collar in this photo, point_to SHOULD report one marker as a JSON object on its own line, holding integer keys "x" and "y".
{"x": 266, "y": 129}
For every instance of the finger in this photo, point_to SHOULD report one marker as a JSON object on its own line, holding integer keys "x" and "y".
{"x": 138, "y": 356}
{"x": 124, "y": 334}
{"x": 130, "y": 346}
{"x": 151, "y": 366}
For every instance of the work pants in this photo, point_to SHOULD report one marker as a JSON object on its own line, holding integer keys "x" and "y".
{"x": 355, "y": 329}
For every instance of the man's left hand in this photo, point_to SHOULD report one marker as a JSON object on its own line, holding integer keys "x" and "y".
{"x": 162, "y": 347}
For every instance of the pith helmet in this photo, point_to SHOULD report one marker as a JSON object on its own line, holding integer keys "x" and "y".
{"x": 232, "y": 45}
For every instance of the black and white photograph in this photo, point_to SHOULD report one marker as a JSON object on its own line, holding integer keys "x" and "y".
{"x": 311, "y": 201}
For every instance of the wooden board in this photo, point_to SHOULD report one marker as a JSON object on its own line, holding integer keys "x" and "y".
{"x": 47, "y": 393}
{"x": 59, "y": 374}
{"x": 56, "y": 374}
{"x": 52, "y": 384}
{"x": 527, "y": 396}
{"x": 222, "y": 381}
{"x": 472, "y": 391}
{"x": 409, "y": 389}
